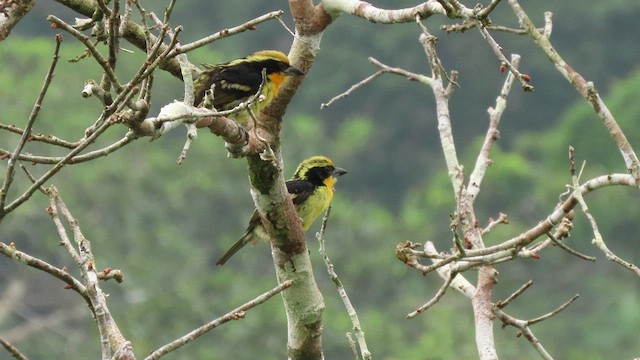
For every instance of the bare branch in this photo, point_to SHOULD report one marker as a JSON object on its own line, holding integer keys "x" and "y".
{"x": 484, "y": 13}
{"x": 352, "y": 89}
{"x": 353, "y": 315}
{"x": 512, "y": 248}
{"x": 598, "y": 240}
{"x": 129, "y": 137}
{"x": 523, "y": 326}
{"x": 235, "y": 314}
{"x": 111, "y": 339}
{"x": 139, "y": 36}
{"x": 497, "y": 50}
{"x": 104, "y": 63}
{"x": 554, "y": 312}
{"x": 383, "y": 69}
{"x": 398, "y": 71}
{"x": 435, "y": 298}
{"x": 520, "y": 291}
{"x": 568, "y": 249}
{"x": 11, "y": 252}
{"x": 15, "y": 353}
{"x": 454, "y": 168}
{"x": 57, "y": 167}
{"x": 502, "y": 219}
{"x": 47, "y": 139}
{"x": 249, "y": 25}
{"x": 11, "y": 12}
{"x": 585, "y": 88}
{"x": 377, "y": 15}
{"x": 495, "y": 115}
{"x": 27, "y": 131}
{"x": 548, "y": 24}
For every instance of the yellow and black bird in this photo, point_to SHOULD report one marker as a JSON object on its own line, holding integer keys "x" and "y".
{"x": 311, "y": 190}
{"x": 234, "y": 82}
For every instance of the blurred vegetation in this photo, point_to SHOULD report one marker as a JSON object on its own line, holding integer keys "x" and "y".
{"x": 164, "y": 224}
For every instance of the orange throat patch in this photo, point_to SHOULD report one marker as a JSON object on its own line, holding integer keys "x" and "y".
{"x": 277, "y": 79}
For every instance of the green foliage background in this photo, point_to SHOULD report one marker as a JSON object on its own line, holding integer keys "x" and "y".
{"x": 164, "y": 225}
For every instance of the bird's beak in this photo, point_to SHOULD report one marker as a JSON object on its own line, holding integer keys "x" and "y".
{"x": 292, "y": 70}
{"x": 338, "y": 171}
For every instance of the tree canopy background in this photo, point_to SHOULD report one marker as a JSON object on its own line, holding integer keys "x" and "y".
{"x": 138, "y": 204}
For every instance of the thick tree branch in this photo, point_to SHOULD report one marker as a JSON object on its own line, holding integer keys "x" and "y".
{"x": 374, "y": 14}
{"x": 303, "y": 302}
{"x": 11, "y": 12}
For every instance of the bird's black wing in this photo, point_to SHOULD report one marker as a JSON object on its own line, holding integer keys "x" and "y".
{"x": 300, "y": 190}
{"x": 231, "y": 84}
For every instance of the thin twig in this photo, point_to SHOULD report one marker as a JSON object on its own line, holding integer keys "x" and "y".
{"x": 484, "y": 13}
{"x": 279, "y": 18}
{"x": 436, "y": 297}
{"x": 111, "y": 339}
{"x": 11, "y": 252}
{"x": 502, "y": 219}
{"x": 113, "y": 79}
{"x": 571, "y": 251}
{"x": 353, "y": 346}
{"x": 548, "y": 24}
{"x": 554, "y": 312}
{"x": 47, "y": 139}
{"x": 398, "y": 71}
{"x": 483, "y": 160}
{"x": 12, "y": 350}
{"x": 525, "y": 330}
{"x": 352, "y": 89}
{"x": 353, "y": 315}
{"x": 129, "y": 137}
{"x": 249, "y": 25}
{"x": 55, "y": 169}
{"x": 235, "y": 314}
{"x": 113, "y": 39}
{"x": 27, "y": 131}
{"x": 585, "y": 88}
{"x": 383, "y": 69}
{"x": 598, "y": 240}
{"x": 497, "y": 50}
{"x": 505, "y": 302}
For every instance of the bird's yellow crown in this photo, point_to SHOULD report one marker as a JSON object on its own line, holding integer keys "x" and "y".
{"x": 311, "y": 163}
{"x": 265, "y": 55}
{"x": 271, "y": 54}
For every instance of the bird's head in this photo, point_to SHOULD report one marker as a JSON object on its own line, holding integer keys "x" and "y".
{"x": 319, "y": 170}
{"x": 276, "y": 64}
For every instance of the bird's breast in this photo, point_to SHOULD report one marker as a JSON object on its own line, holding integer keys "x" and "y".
{"x": 315, "y": 205}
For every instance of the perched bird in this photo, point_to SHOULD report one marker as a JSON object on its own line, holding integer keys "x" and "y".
{"x": 234, "y": 82}
{"x": 311, "y": 190}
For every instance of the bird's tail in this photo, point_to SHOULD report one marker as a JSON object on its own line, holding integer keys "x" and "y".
{"x": 234, "y": 249}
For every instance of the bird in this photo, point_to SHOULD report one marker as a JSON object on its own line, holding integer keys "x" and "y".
{"x": 233, "y": 82}
{"x": 311, "y": 189}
